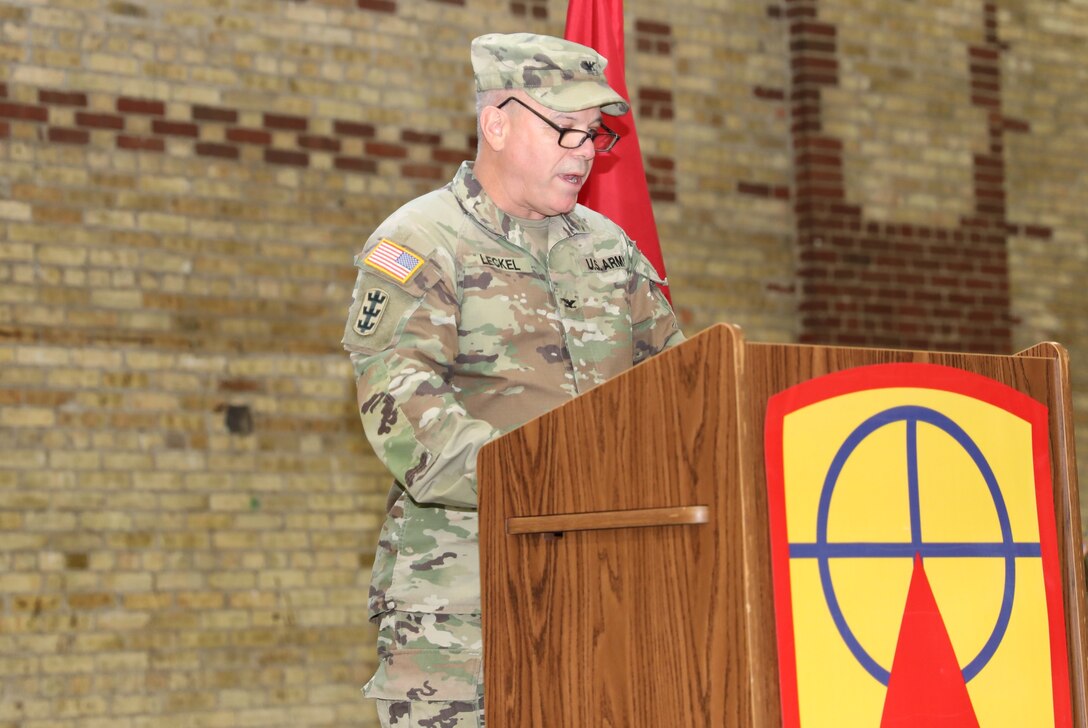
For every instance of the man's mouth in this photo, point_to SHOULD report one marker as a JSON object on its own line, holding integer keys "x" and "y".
{"x": 574, "y": 179}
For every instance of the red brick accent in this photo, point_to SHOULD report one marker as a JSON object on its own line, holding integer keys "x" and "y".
{"x": 762, "y": 190}
{"x": 210, "y": 149}
{"x": 423, "y": 171}
{"x": 661, "y": 178}
{"x": 240, "y": 385}
{"x": 356, "y": 164}
{"x": 243, "y": 135}
{"x": 653, "y": 37}
{"x": 174, "y": 128}
{"x": 287, "y": 123}
{"x": 319, "y": 143}
{"x": 868, "y": 283}
{"x": 655, "y": 103}
{"x": 1017, "y": 126}
{"x": 100, "y": 121}
{"x": 450, "y": 156}
{"x": 147, "y": 107}
{"x": 61, "y": 98}
{"x": 409, "y": 136}
{"x": 381, "y": 149}
{"x": 441, "y": 158}
{"x": 354, "y": 129}
{"x": 529, "y": 9}
{"x": 283, "y": 156}
{"x": 63, "y": 135}
{"x": 212, "y": 113}
{"x": 377, "y": 6}
{"x": 809, "y": 28}
{"x": 137, "y": 143}
{"x": 652, "y": 27}
{"x": 23, "y": 112}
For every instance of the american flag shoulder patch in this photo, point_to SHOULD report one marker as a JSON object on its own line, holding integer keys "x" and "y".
{"x": 396, "y": 261}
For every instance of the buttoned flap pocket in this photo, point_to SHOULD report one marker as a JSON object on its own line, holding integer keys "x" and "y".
{"x": 428, "y": 656}
{"x": 590, "y": 273}
{"x": 486, "y": 275}
{"x": 595, "y": 295}
{"x": 499, "y": 299}
{"x": 438, "y": 565}
{"x": 500, "y": 262}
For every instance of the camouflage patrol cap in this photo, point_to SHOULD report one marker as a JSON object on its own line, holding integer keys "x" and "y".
{"x": 562, "y": 75}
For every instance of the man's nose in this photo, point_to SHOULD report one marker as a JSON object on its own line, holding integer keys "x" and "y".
{"x": 585, "y": 150}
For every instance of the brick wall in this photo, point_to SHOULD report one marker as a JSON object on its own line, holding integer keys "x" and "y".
{"x": 939, "y": 176}
{"x": 187, "y": 506}
{"x": 1047, "y": 187}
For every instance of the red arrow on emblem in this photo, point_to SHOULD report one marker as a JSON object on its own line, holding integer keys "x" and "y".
{"x": 926, "y": 688}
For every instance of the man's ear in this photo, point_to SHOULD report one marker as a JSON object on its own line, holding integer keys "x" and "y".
{"x": 495, "y": 127}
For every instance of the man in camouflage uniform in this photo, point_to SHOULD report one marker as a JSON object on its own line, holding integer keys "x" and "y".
{"x": 478, "y": 307}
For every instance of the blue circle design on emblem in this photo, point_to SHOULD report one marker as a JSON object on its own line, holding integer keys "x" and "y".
{"x": 823, "y": 550}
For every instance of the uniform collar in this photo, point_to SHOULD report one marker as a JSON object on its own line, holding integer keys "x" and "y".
{"x": 478, "y": 205}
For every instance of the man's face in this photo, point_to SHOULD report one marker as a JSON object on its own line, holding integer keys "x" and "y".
{"x": 543, "y": 179}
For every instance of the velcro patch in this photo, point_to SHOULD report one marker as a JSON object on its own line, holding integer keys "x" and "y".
{"x": 396, "y": 261}
{"x": 503, "y": 263}
{"x": 606, "y": 264}
{"x": 370, "y": 312}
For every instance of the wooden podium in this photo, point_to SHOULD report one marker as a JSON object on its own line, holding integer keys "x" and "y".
{"x": 625, "y": 546}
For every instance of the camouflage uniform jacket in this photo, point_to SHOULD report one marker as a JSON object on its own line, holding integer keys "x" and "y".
{"x": 468, "y": 337}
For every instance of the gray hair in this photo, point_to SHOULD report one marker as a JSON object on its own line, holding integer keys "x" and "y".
{"x": 494, "y": 97}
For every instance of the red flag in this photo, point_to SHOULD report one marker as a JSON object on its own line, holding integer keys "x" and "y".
{"x": 926, "y": 687}
{"x": 617, "y": 188}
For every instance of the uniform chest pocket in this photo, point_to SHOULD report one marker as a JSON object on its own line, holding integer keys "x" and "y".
{"x": 514, "y": 280}
{"x": 597, "y": 296}
{"x": 500, "y": 302}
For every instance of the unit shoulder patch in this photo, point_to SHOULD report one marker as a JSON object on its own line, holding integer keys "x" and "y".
{"x": 394, "y": 260}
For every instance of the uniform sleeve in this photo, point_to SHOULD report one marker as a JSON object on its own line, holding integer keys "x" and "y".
{"x": 402, "y": 340}
{"x": 653, "y": 323}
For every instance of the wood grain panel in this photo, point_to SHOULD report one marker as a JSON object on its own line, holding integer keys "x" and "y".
{"x": 634, "y": 627}
{"x": 1067, "y": 514}
{"x": 600, "y": 520}
{"x": 664, "y": 626}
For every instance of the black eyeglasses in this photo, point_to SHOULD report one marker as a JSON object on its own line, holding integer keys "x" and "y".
{"x": 603, "y": 138}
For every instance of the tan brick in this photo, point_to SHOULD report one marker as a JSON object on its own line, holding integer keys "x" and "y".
{"x": 74, "y": 460}
{"x": 14, "y": 210}
{"x": 106, "y": 521}
{"x": 26, "y": 417}
{"x": 59, "y": 664}
{"x": 20, "y": 583}
{"x": 117, "y": 299}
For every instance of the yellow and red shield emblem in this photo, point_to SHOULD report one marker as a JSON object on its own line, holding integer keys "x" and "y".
{"x": 911, "y": 505}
